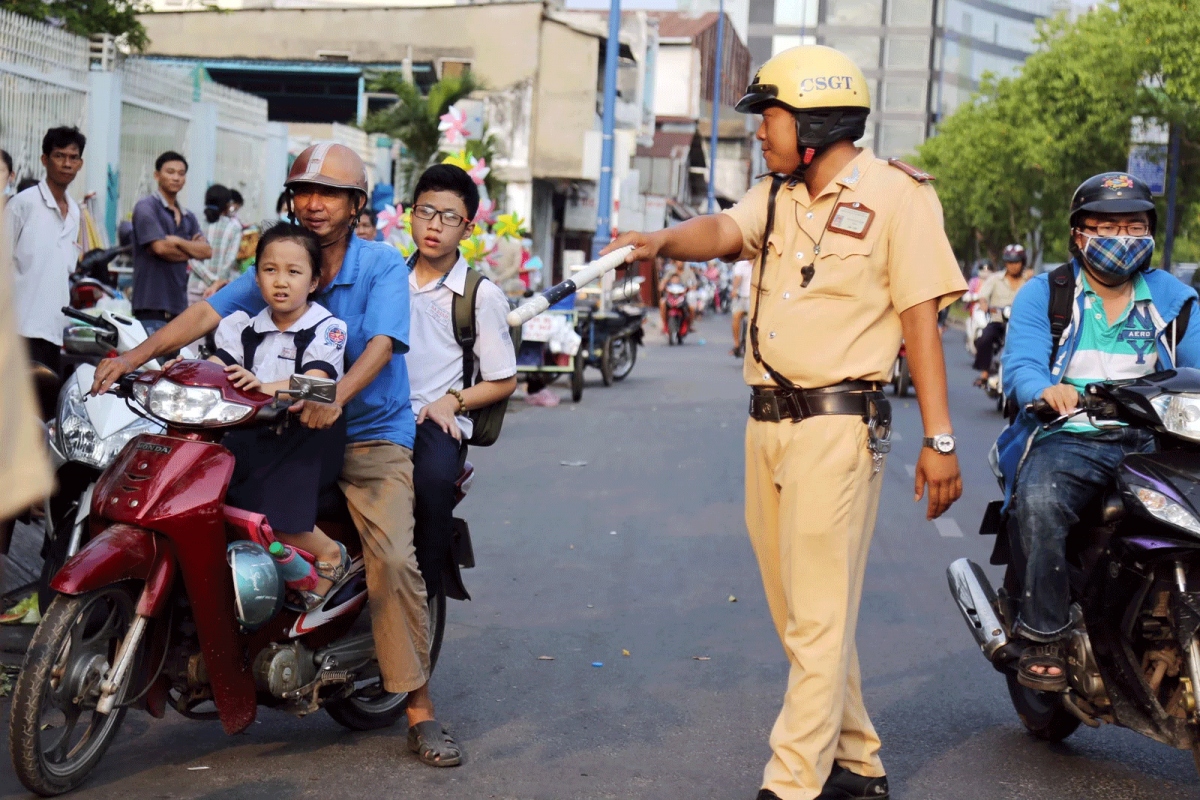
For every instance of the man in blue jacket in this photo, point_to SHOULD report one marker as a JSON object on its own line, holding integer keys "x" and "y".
{"x": 1124, "y": 322}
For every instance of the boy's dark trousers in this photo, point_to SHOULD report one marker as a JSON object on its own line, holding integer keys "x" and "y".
{"x": 437, "y": 462}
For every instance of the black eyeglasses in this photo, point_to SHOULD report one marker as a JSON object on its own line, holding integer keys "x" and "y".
{"x": 449, "y": 218}
{"x": 1117, "y": 228}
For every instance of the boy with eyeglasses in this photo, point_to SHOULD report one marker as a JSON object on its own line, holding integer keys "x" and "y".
{"x": 1125, "y": 321}
{"x": 444, "y": 204}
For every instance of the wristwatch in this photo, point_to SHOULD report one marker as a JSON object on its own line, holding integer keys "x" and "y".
{"x": 942, "y": 443}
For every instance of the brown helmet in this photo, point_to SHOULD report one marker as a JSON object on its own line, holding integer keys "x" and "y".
{"x": 329, "y": 164}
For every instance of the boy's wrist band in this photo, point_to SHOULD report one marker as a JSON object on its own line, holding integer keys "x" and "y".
{"x": 462, "y": 403}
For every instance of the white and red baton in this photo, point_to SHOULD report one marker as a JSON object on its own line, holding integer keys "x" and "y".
{"x": 582, "y": 277}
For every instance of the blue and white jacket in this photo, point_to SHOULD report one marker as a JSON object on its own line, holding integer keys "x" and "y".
{"x": 1027, "y": 368}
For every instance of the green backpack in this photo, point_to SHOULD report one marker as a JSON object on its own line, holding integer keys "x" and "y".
{"x": 489, "y": 419}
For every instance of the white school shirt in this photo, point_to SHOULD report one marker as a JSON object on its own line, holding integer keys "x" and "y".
{"x": 434, "y": 358}
{"x": 45, "y": 250}
{"x": 275, "y": 357}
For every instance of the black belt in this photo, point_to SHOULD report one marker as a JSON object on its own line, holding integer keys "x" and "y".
{"x": 852, "y": 398}
{"x": 155, "y": 316}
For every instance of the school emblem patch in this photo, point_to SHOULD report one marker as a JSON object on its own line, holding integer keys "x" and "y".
{"x": 1119, "y": 182}
{"x": 335, "y": 336}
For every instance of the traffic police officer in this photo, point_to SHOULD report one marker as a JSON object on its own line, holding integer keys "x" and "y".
{"x": 850, "y": 258}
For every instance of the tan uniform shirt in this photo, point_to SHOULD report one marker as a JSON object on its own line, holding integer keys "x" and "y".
{"x": 845, "y": 325}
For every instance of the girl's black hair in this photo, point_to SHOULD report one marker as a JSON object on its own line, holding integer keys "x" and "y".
{"x": 286, "y": 231}
{"x": 216, "y": 202}
{"x": 7, "y": 159}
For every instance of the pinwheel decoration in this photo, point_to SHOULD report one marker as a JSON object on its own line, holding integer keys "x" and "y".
{"x": 453, "y": 124}
{"x": 509, "y": 225}
{"x": 389, "y": 219}
{"x": 474, "y": 250}
{"x": 478, "y": 170}
{"x": 487, "y": 210}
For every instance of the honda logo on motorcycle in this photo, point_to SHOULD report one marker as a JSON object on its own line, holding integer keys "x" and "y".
{"x": 154, "y": 448}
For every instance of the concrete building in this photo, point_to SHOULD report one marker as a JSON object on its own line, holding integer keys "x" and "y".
{"x": 922, "y": 58}
{"x": 542, "y": 68}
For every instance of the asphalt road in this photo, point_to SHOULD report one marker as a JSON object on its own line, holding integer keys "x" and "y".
{"x": 641, "y": 549}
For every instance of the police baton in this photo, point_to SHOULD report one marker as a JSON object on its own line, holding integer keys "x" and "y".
{"x": 583, "y": 276}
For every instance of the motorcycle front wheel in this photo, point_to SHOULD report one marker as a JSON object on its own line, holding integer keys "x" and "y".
{"x": 56, "y": 736}
{"x": 370, "y": 708}
{"x": 624, "y": 356}
{"x": 673, "y": 327}
{"x": 1041, "y": 712}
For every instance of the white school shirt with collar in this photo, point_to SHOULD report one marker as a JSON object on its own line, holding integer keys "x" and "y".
{"x": 275, "y": 357}
{"x": 434, "y": 358}
{"x": 45, "y": 250}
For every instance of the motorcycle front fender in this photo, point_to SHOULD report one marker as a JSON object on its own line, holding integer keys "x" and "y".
{"x": 119, "y": 553}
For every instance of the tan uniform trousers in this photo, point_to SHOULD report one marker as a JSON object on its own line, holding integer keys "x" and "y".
{"x": 377, "y": 479}
{"x": 811, "y": 498}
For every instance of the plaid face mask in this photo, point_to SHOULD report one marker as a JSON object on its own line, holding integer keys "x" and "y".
{"x": 1118, "y": 257}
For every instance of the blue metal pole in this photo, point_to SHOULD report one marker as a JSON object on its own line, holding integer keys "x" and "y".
{"x": 604, "y": 202}
{"x": 716, "y": 110}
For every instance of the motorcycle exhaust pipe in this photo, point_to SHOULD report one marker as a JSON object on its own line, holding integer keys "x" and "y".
{"x": 973, "y": 593}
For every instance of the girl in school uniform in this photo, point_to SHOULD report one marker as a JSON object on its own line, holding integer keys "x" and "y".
{"x": 282, "y": 475}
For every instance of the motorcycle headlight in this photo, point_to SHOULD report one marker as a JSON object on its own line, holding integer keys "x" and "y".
{"x": 1162, "y": 507}
{"x": 77, "y": 439}
{"x": 193, "y": 405}
{"x": 1180, "y": 414}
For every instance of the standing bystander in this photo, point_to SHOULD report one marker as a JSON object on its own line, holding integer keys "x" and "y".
{"x": 165, "y": 236}
{"x": 224, "y": 235}
{"x": 43, "y": 228}
{"x": 6, "y": 174}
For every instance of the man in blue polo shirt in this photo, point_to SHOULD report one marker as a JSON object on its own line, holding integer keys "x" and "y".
{"x": 365, "y": 284}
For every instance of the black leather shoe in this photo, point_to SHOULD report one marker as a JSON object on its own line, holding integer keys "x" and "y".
{"x": 766, "y": 794}
{"x": 846, "y": 785}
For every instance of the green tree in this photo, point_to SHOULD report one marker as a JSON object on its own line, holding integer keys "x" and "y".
{"x": 414, "y": 118}
{"x": 87, "y": 17}
{"x": 1008, "y": 162}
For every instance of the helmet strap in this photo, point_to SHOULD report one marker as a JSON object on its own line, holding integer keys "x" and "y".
{"x": 813, "y": 142}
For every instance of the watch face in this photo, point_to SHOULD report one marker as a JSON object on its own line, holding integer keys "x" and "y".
{"x": 943, "y": 444}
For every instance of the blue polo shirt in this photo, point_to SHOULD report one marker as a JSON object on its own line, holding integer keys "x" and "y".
{"x": 370, "y": 293}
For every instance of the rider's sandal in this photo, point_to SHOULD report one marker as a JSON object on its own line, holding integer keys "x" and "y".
{"x": 433, "y": 745}
{"x": 1047, "y": 656}
{"x": 330, "y": 572}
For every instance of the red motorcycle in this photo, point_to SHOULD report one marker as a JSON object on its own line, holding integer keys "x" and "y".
{"x": 679, "y": 316}
{"x": 176, "y": 601}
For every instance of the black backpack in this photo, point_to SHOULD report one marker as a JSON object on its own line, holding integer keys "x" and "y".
{"x": 1062, "y": 300}
{"x": 489, "y": 419}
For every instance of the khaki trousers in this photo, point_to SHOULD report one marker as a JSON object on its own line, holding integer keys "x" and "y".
{"x": 811, "y": 499}
{"x": 377, "y": 479}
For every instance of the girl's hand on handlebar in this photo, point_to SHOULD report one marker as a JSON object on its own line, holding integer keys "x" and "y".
{"x": 1063, "y": 398}
{"x": 243, "y": 378}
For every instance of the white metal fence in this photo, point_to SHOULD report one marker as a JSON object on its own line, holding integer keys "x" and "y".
{"x": 156, "y": 111}
{"x": 241, "y": 147}
{"x": 43, "y": 84}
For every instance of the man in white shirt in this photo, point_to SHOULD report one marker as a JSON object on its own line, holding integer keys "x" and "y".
{"x": 444, "y": 204}
{"x": 43, "y": 226}
{"x": 742, "y": 271}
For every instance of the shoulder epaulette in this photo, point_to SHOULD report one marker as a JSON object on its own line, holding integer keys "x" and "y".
{"x": 917, "y": 175}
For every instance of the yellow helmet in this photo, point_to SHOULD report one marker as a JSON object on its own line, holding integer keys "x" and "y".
{"x": 807, "y": 77}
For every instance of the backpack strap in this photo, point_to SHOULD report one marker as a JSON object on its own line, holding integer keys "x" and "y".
{"x": 1062, "y": 302}
{"x": 462, "y": 314}
{"x": 1182, "y": 319}
{"x": 251, "y": 339}
{"x": 303, "y": 338}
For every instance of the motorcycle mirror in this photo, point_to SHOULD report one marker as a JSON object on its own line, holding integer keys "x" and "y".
{"x": 310, "y": 387}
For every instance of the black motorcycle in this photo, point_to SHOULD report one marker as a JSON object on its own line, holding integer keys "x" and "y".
{"x": 1133, "y": 657}
{"x": 611, "y": 340}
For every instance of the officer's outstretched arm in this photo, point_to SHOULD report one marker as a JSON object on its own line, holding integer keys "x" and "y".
{"x": 699, "y": 239}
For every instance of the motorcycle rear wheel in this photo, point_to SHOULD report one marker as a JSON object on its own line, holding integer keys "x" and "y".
{"x": 673, "y": 326}
{"x": 371, "y": 708}
{"x": 1041, "y": 712}
{"x": 623, "y": 365}
{"x": 606, "y": 363}
{"x": 58, "y": 688}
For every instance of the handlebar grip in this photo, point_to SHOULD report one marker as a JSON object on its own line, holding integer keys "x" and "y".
{"x": 75, "y": 313}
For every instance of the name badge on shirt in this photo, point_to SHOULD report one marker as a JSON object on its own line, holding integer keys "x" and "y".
{"x": 852, "y": 219}
{"x": 288, "y": 353}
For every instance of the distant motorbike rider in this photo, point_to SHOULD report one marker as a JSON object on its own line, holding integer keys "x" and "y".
{"x": 1124, "y": 320}
{"x": 682, "y": 274}
{"x": 995, "y": 295}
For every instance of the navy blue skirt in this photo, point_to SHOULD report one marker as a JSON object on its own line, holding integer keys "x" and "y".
{"x": 281, "y": 475}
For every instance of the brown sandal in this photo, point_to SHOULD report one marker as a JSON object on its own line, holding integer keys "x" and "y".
{"x": 433, "y": 745}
